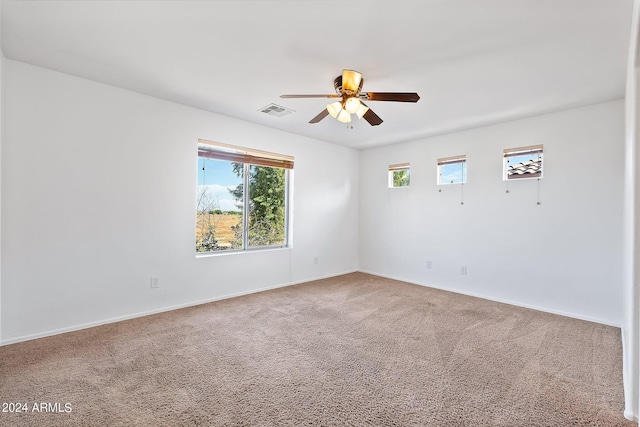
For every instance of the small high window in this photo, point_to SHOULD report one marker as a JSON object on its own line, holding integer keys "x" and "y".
{"x": 523, "y": 162}
{"x": 452, "y": 170}
{"x": 399, "y": 175}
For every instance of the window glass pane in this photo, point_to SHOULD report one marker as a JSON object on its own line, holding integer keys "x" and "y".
{"x": 527, "y": 165}
{"x": 266, "y": 217}
{"x": 453, "y": 173}
{"x": 219, "y": 205}
{"x": 401, "y": 178}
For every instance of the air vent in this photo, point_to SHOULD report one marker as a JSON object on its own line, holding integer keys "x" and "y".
{"x": 276, "y": 110}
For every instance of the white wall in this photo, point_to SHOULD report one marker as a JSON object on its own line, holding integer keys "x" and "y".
{"x": 563, "y": 256}
{"x": 1, "y": 83}
{"x": 631, "y": 226}
{"x": 98, "y": 195}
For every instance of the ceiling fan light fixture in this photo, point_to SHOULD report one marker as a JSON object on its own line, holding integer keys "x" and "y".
{"x": 344, "y": 116}
{"x": 334, "y": 109}
{"x": 348, "y": 87}
{"x": 362, "y": 110}
{"x": 352, "y": 105}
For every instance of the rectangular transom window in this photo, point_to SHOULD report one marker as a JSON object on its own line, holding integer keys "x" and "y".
{"x": 452, "y": 170}
{"x": 523, "y": 162}
{"x": 242, "y": 198}
{"x": 399, "y": 175}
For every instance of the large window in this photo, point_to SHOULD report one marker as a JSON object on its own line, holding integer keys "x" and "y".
{"x": 241, "y": 199}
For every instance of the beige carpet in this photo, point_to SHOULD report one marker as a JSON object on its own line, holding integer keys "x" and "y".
{"x": 355, "y": 350}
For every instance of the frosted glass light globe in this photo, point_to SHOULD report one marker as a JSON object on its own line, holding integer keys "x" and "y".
{"x": 352, "y": 105}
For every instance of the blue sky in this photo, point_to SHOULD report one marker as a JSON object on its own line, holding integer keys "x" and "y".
{"x": 453, "y": 172}
{"x": 217, "y": 177}
{"x": 514, "y": 160}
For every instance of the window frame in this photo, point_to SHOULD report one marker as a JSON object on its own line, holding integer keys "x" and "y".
{"x": 451, "y": 160}
{"x": 521, "y": 151}
{"x": 250, "y": 157}
{"x": 396, "y": 168}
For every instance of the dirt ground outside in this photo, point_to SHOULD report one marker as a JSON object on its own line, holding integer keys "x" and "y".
{"x": 224, "y": 234}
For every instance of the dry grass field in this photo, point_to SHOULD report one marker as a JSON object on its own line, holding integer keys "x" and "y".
{"x": 223, "y": 223}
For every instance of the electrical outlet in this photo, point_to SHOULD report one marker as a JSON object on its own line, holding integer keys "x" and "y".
{"x": 315, "y": 259}
{"x": 463, "y": 270}
{"x": 155, "y": 282}
{"x": 428, "y": 264}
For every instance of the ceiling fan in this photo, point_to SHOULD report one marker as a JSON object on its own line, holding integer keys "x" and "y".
{"x": 349, "y": 89}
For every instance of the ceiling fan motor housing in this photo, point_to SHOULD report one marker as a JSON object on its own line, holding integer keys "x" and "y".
{"x": 337, "y": 84}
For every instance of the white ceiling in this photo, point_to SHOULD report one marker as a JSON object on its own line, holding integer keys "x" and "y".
{"x": 473, "y": 62}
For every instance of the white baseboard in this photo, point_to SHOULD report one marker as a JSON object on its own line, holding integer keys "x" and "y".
{"x": 161, "y": 310}
{"x": 500, "y": 300}
{"x": 630, "y": 416}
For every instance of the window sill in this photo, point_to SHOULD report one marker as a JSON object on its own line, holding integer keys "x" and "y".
{"x": 240, "y": 252}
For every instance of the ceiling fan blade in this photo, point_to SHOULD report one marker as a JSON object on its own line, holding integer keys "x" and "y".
{"x": 324, "y": 113}
{"x": 311, "y": 96}
{"x": 351, "y": 80}
{"x": 392, "y": 96}
{"x": 371, "y": 117}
